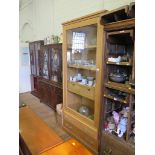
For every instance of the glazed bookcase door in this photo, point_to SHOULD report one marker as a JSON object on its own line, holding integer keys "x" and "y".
{"x": 55, "y": 63}
{"x": 32, "y": 58}
{"x": 37, "y": 49}
{"x": 81, "y": 55}
{"x": 44, "y": 62}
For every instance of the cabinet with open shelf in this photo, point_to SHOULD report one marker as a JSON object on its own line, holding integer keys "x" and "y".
{"x": 117, "y": 125}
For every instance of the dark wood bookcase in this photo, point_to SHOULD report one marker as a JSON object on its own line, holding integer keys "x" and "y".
{"x": 34, "y": 48}
{"x": 118, "y": 104}
{"x": 46, "y": 72}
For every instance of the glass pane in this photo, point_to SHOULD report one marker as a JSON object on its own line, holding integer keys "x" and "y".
{"x": 55, "y": 65}
{"x": 81, "y": 105}
{"x": 81, "y": 71}
{"x": 45, "y": 65}
{"x": 81, "y": 46}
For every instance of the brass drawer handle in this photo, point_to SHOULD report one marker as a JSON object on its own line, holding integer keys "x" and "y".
{"x": 108, "y": 153}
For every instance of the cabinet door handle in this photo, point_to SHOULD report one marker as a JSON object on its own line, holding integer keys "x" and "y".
{"x": 108, "y": 153}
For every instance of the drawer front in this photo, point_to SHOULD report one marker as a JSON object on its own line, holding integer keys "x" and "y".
{"x": 91, "y": 143}
{"x": 88, "y": 130}
{"x": 84, "y": 91}
{"x": 112, "y": 146}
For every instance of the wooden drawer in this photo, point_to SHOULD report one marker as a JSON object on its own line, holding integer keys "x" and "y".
{"x": 82, "y": 90}
{"x": 112, "y": 146}
{"x": 88, "y": 141}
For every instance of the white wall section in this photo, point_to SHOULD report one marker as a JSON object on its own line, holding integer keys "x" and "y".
{"x": 41, "y": 18}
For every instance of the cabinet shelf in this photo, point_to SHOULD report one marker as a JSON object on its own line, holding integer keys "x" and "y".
{"x": 86, "y": 47}
{"x": 119, "y": 86}
{"x": 92, "y": 68}
{"x": 82, "y": 90}
{"x": 113, "y": 136}
{"x": 119, "y": 63}
{"x": 115, "y": 98}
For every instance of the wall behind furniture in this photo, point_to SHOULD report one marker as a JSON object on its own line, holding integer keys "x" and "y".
{"x": 65, "y": 10}
{"x": 35, "y": 22}
{"x": 41, "y": 18}
{"x": 46, "y": 16}
{"x": 39, "y": 14}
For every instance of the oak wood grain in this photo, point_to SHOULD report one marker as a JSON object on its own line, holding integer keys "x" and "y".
{"x": 36, "y": 133}
{"x": 70, "y": 147}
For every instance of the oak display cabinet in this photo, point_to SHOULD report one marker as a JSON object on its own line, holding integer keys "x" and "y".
{"x": 82, "y": 62}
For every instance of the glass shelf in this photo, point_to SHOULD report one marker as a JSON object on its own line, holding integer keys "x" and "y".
{"x": 86, "y": 47}
{"x": 119, "y": 63}
{"x": 93, "y": 67}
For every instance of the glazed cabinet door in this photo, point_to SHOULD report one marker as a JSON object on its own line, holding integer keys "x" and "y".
{"x": 44, "y": 62}
{"x": 34, "y": 48}
{"x": 81, "y": 55}
{"x": 37, "y": 49}
{"x": 55, "y": 54}
{"x": 32, "y": 58}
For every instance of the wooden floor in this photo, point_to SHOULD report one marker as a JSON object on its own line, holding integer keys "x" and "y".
{"x": 46, "y": 113}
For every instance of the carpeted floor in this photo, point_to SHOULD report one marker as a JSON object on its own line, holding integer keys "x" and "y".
{"x": 45, "y": 112}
